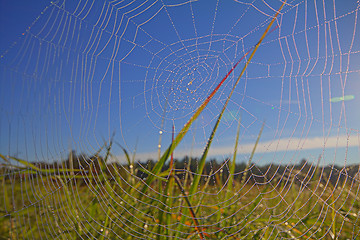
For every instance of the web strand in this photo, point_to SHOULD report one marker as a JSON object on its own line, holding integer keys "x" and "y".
{"x": 92, "y": 91}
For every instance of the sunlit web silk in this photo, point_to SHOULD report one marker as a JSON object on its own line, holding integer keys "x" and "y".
{"x": 85, "y": 70}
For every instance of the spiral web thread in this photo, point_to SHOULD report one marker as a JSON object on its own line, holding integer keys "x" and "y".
{"x": 140, "y": 69}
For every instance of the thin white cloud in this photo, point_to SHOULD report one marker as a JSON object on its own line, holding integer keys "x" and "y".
{"x": 291, "y": 144}
{"x": 279, "y": 145}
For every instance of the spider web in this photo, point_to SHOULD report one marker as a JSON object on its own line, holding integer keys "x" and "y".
{"x": 132, "y": 73}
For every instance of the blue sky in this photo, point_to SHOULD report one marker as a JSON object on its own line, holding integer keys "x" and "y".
{"x": 73, "y": 74}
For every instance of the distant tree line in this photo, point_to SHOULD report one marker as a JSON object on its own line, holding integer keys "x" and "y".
{"x": 302, "y": 173}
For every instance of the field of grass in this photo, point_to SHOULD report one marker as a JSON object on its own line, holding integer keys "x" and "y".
{"x": 109, "y": 201}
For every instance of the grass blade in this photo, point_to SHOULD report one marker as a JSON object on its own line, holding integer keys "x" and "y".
{"x": 7, "y": 201}
{"x": 232, "y": 164}
{"x": 243, "y": 179}
{"x": 25, "y": 163}
{"x": 193, "y": 215}
{"x": 195, "y": 182}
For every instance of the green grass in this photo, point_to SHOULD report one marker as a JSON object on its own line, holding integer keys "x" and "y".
{"x": 105, "y": 205}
